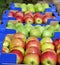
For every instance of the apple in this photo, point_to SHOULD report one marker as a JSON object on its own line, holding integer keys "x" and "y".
{"x": 33, "y": 59}
{"x": 24, "y": 7}
{"x": 20, "y": 36}
{"x": 48, "y": 14}
{"x": 47, "y": 46}
{"x": 18, "y": 48}
{"x": 48, "y": 58}
{"x": 47, "y": 33}
{"x": 32, "y": 50}
{"x": 33, "y": 43}
{"x": 58, "y": 58}
{"x": 20, "y": 19}
{"x": 30, "y": 7}
{"x": 38, "y": 7}
{"x": 29, "y": 20}
{"x": 31, "y": 38}
{"x": 28, "y": 27}
{"x": 7, "y": 38}
{"x": 11, "y": 13}
{"x": 19, "y": 56}
{"x": 45, "y": 19}
{"x": 17, "y": 42}
{"x": 5, "y": 49}
{"x": 35, "y": 32}
{"x": 47, "y": 27}
{"x": 6, "y": 43}
{"x": 56, "y": 43}
{"x": 46, "y": 40}
{"x": 19, "y": 13}
{"x": 57, "y": 47}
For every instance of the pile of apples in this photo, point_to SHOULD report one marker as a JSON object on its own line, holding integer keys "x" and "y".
{"x": 31, "y": 50}
{"x": 37, "y": 30}
{"x": 33, "y": 18}
{"x": 33, "y": 7}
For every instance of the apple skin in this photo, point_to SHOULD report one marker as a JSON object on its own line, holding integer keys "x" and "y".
{"x": 46, "y": 40}
{"x": 19, "y": 55}
{"x": 5, "y": 50}
{"x": 57, "y": 47}
{"x": 58, "y": 58}
{"x": 32, "y": 38}
{"x": 48, "y": 14}
{"x": 33, "y": 59}
{"x": 20, "y": 19}
{"x": 45, "y": 19}
{"x": 56, "y": 43}
{"x": 18, "y": 48}
{"x": 48, "y": 58}
{"x": 11, "y": 14}
{"x": 32, "y": 50}
{"x": 19, "y": 13}
{"x": 33, "y": 43}
{"x": 17, "y": 42}
{"x": 20, "y": 36}
{"x": 47, "y": 46}
{"x": 29, "y": 20}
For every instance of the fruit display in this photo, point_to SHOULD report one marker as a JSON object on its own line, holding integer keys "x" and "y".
{"x": 43, "y": 52}
{"x": 38, "y": 7}
{"x": 30, "y": 30}
{"x": 29, "y": 17}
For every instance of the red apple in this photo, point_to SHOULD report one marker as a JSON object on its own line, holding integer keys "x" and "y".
{"x": 31, "y": 38}
{"x": 58, "y": 58}
{"x": 5, "y": 50}
{"x": 56, "y": 43}
{"x": 18, "y": 48}
{"x": 32, "y": 59}
{"x": 45, "y": 19}
{"x": 19, "y": 13}
{"x": 29, "y": 20}
{"x": 20, "y": 36}
{"x": 48, "y": 13}
{"x": 19, "y": 55}
{"x": 48, "y": 58}
{"x": 11, "y": 14}
{"x": 33, "y": 43}
{"x": 17, "y": 42}
{"x": 57, "y": 47}
{"x": 32, "y": 50}
{"x": 20, "y": 19}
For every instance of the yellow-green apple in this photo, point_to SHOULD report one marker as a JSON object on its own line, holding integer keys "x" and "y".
{"x": 33, "y": 43}
{"x": 19, "y": 56}
{"x": 20, "y": 36}
{"x": 33, "y": 59}
{"x": 31, "y": 38}
{"x": 17, "y": 42}
{"x": 46, "y": 40}
{"x": 58, "y": 58}
{"x": 48, "y": 58}
{"x": 36, "y": 33}
{"x": 5, "y": 49}
{"x": 6, "y": 43}
{"x": 33, "y": 50}
{"x": 18, "y": 48}
{"x": 47, "y": 46}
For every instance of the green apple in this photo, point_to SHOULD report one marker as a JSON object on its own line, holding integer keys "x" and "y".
{"x": 47, "y": 33}
{"x": 47, "y": 46}
{"x": 35, "y": 32}
{"x": 30, "y": 7}
{"x": 46, "y": 27}
{"x": 28, "y": 27}
{"x": 45, "y": 40}
{"x": 38, "y": 7}
{"x": 24, "y": 7}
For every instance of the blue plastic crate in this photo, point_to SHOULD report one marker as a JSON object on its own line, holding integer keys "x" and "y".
{"x": 52, "y": 7}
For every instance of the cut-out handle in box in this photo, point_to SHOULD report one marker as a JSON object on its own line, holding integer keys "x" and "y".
{"x": 7, "y": 58}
